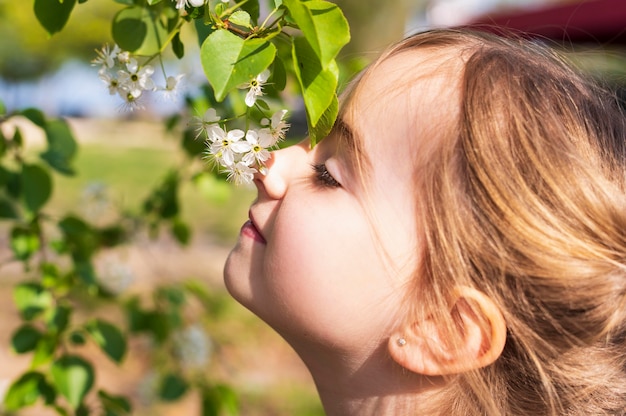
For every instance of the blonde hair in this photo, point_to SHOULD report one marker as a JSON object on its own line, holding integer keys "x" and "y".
{"x": 526, "y": 202}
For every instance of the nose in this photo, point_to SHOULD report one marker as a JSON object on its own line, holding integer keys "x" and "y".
{"x": 281, "y": 167}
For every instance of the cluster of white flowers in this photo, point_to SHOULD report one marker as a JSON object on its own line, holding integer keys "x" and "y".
{"x": 114, "y": 273}
{"x": 182, "y": 4}
{"x": 126, "y": 77}
{"x": 242, "y": 154}
{"x": 193, "y": 347}
{"x": 95, "y": 201}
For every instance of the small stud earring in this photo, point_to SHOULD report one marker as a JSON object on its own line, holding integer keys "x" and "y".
{"x": 401, "y": 342}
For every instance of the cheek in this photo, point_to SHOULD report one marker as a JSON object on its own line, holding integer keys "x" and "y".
{"x": 325, "y": 275}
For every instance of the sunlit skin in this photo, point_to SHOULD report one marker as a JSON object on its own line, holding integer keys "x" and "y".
{"x": 326, "y": 265}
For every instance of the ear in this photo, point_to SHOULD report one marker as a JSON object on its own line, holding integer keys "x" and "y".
{"x": 423, "y": 347}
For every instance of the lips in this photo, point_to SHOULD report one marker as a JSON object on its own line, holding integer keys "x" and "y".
{"x": 249, "y": 229}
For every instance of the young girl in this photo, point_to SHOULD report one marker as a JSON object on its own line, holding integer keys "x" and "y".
{"x": 457, "y": 244}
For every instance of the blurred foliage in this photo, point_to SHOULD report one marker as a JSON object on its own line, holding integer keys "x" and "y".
{"x": 25, "y": 47}
{"x": 65, "y": 285}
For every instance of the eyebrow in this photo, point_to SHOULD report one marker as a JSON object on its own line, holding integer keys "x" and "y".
{"x": 352, "y": 144}
{"x": 344, "y": 129}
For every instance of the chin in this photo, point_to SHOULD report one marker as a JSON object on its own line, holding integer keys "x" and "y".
{"x": 233, "y": 274}
{"x": 238, "y": 271}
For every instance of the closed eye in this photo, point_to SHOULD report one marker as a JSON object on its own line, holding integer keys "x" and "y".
{"x": 323, "y": 177}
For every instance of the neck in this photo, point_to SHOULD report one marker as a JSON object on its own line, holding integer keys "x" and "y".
{"x": 366, "y": 383}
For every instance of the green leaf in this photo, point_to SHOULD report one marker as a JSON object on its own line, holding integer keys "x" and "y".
{"x": 135, "y": 316}
{"x": 181, "y": 231}
{"x": 61, "y": 146}
{"x": 218, "y": 400}
{"x": 279, "y": 74}
{"x": 47, "y": 392}
{"x": 61, "y": 411}
{"x": 36, "y": 186}
{"x": 31, "y": 299}
{"x": 24, "y": 242}
{"x": 73, "y": 378}
{"x": 25, "y": 339}
{"x": 53, "y": 14}
{"x": 14, "y": 184}
{"x": 137, "y": 30}
{"x": 318, "y": 84}
{"x": 177, "y": 46}
{"x": 240, "y": 18}
{"x": 158, "y": 325}
{"x": 323, "y": 25}
{"x": 203, "y": 30}
{"x": 35, "y": 115}
{"x": 18, "y": 139}
{"x": 164, "y": 200}
{"x": 172, "y": 388}
{"x": 113, "y": 235}
{"x": 253, "y": 9}
{"x": 229, "y": 61}
{"x": 85, "y": 271}
{"x": 4, "y": 143}
{"x": 81, "y": 239}
{"x": 325, "y": 123}
{"x": 58, "y": 319}
{"x": 5, "y": 176}
{"x": 109, "y": 338}
{"x": 24, "y": 391}
{"x": 172, "y": 294}
{"x": 262, "y": 104}
{"x": 114, "y": 405}
{"x": 50, "y": 276}
{"x": 44, "y": 352}
{"x": 77, "y": 338}
{"x": 7, "y": 208}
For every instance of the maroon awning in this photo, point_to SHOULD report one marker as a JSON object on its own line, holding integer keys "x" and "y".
{"x": 597, "y": 21}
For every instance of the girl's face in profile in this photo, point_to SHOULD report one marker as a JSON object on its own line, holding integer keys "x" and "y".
{"x": 327, "y": 253}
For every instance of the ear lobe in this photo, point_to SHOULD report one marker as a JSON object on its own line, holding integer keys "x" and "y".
{"x": 480, "y": 333}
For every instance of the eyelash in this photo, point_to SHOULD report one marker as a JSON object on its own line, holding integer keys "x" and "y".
{"x": 323, "y": 177}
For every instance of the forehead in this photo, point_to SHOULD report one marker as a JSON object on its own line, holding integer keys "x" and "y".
{"x": 402, "y": 106}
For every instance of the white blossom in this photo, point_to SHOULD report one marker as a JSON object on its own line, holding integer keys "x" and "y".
{"x": 206, "y": 124}
{"x": 115, "y": 275}
{"x": 106, "y": 56}
{"x": 276, "y": 126}
{"x": 256, "y": 87}
{"x": 182, "y": 4}
{"x": 132, "y": 99}
{"x": 257, "y": 152}
{"x": 136, "y": 78}
{"x": 224, "y": 146}
{"x": 173, "y": 85}
{"x": 112, "y": 82}
{"x": 240, "y": 173}
{"x": 123, "y": 57}
{"x": 193, "y": 346}
{"x": 95, "y": 200}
